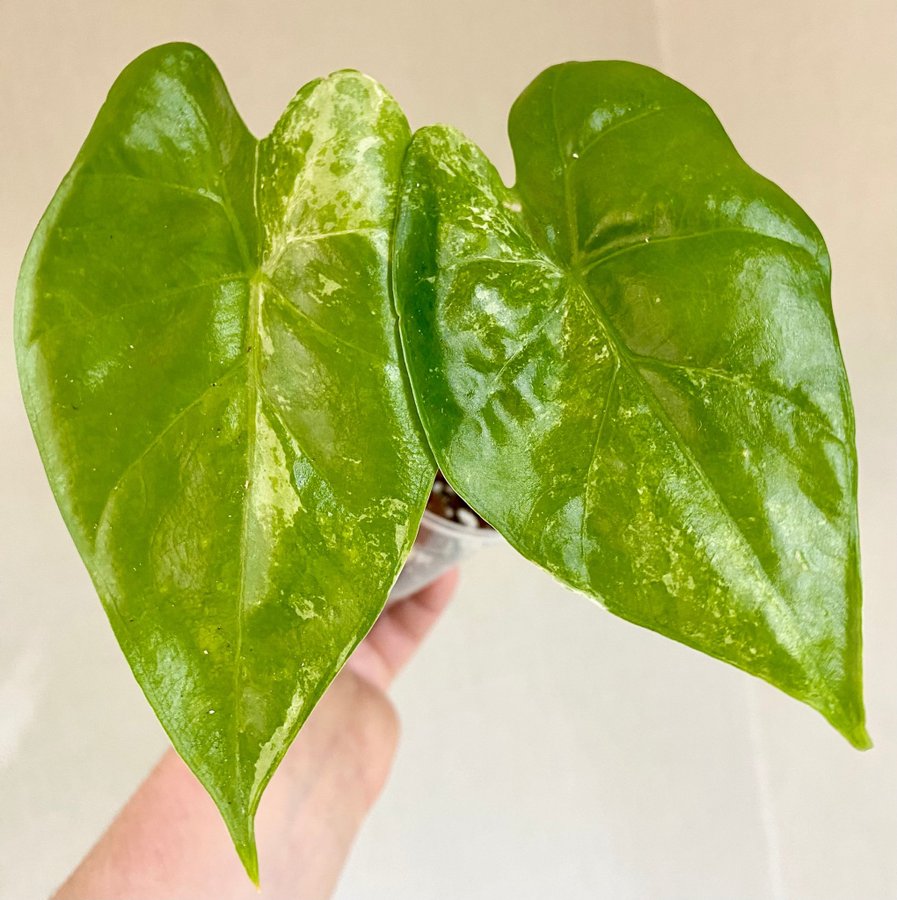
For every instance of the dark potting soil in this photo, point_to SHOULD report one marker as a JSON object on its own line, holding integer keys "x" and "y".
{"x": 446, "y": 503}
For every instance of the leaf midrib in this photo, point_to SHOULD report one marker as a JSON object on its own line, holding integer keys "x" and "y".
{"x": 259, "y": 275}
{"x": 253, "y": 383}
{"x": 624, "y": 359}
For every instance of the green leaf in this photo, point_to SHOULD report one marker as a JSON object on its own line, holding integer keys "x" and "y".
{"x": 628, "y": 365}
{"x": 210, "y": 362}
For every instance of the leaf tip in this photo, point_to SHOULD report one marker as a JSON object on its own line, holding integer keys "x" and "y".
{"x": 248, "y": 854}
{"x": 242, "y": 833}
{"x": 849, "y": 719}
{"x": 857, "y": 735}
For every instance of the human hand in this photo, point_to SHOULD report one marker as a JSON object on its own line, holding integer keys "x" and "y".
{"x": 169, "y": 842}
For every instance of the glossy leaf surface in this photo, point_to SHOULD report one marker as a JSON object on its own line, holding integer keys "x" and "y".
{"x": 209, "y": 357}
{"x": 628, "y": 365}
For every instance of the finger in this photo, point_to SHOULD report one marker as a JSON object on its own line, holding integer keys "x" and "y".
{"x": 400, "y": 630}
{"x": 415, "y": 615}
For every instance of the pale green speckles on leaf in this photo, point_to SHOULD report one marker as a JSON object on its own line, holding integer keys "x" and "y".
{"x": 328, "y": 285}
{"x": 275, "y": 501}
{"x": 201, "y": 445}
{"x": 269, "y": 752}
{"x": 628, "y": 365}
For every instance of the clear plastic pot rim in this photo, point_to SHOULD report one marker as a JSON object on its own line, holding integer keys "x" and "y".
{"x": 440, "y": 545}
{"x": 466, "y": 533}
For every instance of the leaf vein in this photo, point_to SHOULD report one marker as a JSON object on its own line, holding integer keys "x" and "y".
{"x": 599, "y": 433}
{"x": 292, "y": 309}
{"x": 166, "y": 185}
{"x": 593, "y": 260}
{"x": 163, "y": 297}
{"x": 742, "y": 381}
{"x": 238, "y": 364}
{"x": 293, "y": 239}
{"x": 619, "y": 123}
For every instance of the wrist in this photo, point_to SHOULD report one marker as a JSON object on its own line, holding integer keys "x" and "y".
{"x": 361, "y": 730}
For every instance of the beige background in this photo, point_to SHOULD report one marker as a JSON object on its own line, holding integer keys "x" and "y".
{"x": 549, "y": 750}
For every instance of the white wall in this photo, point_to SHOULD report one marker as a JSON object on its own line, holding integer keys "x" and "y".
{"x": 549, "y": 750}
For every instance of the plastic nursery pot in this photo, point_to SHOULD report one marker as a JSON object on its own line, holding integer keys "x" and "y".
{"x": 440, "y": 544}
